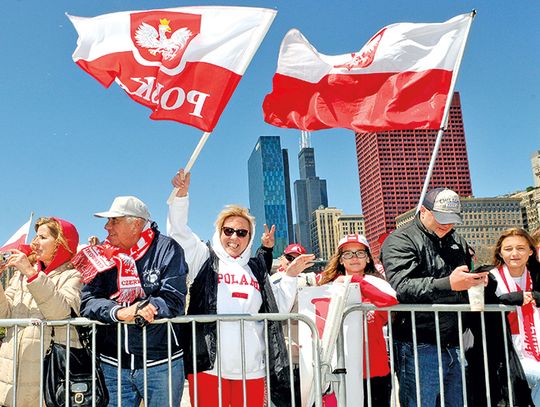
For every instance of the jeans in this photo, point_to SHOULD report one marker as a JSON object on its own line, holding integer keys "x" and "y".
{"x": 157, "y": 379}
{"x": 429, "y": 375}
{"x": 532, "y": 372}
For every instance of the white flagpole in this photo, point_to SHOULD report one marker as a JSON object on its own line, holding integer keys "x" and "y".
{"x": 444, "y": 123}
{"x": 190, "y": 163}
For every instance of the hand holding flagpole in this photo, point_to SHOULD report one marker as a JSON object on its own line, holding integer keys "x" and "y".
{"x": 190, "y": 163}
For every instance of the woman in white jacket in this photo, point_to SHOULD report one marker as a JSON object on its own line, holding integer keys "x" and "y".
{"x": 225, "y": 279}
{"x": 48, "y": 288}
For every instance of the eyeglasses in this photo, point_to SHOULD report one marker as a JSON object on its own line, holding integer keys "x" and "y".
{"x": 289, "y": 257}
{"x": 231, "y": 231}
{"x": 361, "y": 254}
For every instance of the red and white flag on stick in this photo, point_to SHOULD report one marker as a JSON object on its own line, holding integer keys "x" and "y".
{"x": 19, "y": 237}
{"x": 399, "y": 80}
{"x": 183, "y": 63}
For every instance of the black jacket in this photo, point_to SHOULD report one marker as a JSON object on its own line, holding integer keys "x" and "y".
{"x": 418, "y": 264}
{"x": 203, "y": 301}
{"x": 162, "y": 271}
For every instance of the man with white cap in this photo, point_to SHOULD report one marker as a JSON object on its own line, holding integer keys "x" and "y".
{"x": 426, "y": 262}
{"x": 137, "y": 275}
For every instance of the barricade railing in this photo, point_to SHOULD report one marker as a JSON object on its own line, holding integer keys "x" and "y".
{"x": 286, "y": 319}
{"x": 340, "y": 371}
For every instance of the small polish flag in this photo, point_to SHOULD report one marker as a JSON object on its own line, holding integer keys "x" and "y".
{"x": 19, "y": 237}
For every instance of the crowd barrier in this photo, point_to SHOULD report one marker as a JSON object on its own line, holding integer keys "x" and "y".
{"x": 336, "y": 373}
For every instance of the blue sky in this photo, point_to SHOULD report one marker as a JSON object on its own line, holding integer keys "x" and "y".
{"x": 69, "y": 146}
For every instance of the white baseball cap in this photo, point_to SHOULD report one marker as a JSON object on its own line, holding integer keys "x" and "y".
{"x": 126, "y": 206}
{"x": 444, "y": 204}
{"x": 354, "y": 238}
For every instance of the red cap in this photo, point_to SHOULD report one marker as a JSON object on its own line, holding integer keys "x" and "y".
{"x": 294, "y": 248}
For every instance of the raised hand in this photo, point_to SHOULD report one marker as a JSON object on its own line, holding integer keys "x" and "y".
{"x": 267, "y": 238}
{"x": 181, "y": 181}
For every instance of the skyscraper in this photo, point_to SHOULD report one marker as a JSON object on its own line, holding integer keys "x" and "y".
{"x": 267, "y": 190}
{"x": 392, "y": 166}
{"x": 309, "y": 191}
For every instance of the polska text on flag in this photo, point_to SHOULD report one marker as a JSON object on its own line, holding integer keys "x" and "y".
{"x": 18, "y": 238}
{"x": 399, "y": 80}
{"x": 184, "y": 63}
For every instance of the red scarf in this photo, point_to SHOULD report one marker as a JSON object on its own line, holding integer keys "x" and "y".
{"x": 96, "y": 259}
{"x": 527, "y": 315}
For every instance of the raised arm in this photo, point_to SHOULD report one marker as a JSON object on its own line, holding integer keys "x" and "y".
{"x": 195, "y": 250}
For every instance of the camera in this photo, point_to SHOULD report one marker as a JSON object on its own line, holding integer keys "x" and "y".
{"x": 139, "y": 320}
{"x": 4, "y": 256}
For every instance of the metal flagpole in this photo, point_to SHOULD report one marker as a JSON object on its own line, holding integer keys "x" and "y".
{"x": 190, "y": 163}
{"x": 444, "y": 122}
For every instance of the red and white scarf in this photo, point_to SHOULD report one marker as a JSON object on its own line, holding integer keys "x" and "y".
{"x": 92, "y": 260}
{"x": 528, "y": 317}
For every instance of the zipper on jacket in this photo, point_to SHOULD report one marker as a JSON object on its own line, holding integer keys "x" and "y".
{"x": 174, "y": 336}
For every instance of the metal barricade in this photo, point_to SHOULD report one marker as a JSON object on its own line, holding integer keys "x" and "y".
{"x": 363, "y": 309}
{"x": 286, "y": 319}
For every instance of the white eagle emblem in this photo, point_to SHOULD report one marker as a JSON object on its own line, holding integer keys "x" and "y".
{"x": 157, "y": 42}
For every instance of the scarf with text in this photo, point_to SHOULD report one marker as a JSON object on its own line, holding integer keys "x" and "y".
{"x": 528, "y": 318}
{"x": 92, "y": 260}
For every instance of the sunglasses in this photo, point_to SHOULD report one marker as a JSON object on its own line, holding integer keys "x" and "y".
{"x": 361, "y": 254}
{"x": 231, "y": 231}
{"x": 289, "y": 257}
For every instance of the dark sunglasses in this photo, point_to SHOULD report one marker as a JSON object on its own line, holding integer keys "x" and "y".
{"x": 231, "y": 231}
{"x": 289, "y": 257}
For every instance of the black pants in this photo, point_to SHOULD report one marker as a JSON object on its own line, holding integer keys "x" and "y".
{"x": 381, "y": 389}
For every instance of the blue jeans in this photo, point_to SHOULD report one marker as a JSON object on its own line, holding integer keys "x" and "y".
{"x": 428, "y": 365}
{"x": 157, "y": 379}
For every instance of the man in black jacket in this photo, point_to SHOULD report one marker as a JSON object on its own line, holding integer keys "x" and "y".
{"x": 428, "y": 263}
{"x": 137, "y": 275}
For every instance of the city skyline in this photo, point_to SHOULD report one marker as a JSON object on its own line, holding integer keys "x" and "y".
{"x": 69, "y": 146}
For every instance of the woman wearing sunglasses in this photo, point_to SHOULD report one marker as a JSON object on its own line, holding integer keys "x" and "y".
{"x": 353, "y": 260}
{"x": 225, "y": 279}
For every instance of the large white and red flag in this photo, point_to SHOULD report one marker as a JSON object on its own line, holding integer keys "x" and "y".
{"x": 399, "y": 80}
{"x": 183, "y": 63}
{"x": 19, "y": 237}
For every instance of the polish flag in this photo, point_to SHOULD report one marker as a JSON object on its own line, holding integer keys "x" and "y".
{"x": 183, "y": 63}
{"x": 399, "y": 80}
{"x": 19, "y": 237}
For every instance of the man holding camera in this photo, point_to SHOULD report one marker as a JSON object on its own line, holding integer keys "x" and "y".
{"x": 137, "y": 275}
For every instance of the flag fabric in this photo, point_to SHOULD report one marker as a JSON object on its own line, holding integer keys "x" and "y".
{"x": 399, "y": 80}
{"x": 184, "y": 63}
{"x": 18, "y": 238}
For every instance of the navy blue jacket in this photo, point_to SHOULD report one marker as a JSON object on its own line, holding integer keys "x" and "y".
{"x": 162, "y": 271}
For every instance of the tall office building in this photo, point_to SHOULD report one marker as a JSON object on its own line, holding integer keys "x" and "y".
{"x": 309, "y": 191}
{"x": 350, "y": 224}
{"x": 392, "y": 166}
{"x": 324, "y": 231}
{"x": 267, "y": 191}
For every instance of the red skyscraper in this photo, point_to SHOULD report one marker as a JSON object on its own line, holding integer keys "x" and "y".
{"x": 392, "y": 167}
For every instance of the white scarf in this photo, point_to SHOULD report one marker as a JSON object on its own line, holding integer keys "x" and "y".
{"x": 528, "y": 316}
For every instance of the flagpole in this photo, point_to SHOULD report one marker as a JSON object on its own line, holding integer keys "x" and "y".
{"x": 444, "y": 122}
{"x": 190, "y": 163}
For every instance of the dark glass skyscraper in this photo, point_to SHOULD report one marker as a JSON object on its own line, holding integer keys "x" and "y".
{"x": 310, "y": 193}
{"x": 268, "y": 180}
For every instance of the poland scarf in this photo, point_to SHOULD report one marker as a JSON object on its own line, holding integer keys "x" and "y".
{"x": 528, "y": 316}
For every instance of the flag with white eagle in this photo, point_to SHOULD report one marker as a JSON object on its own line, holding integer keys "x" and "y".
{"x": 184, "y": 63}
